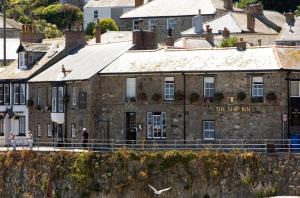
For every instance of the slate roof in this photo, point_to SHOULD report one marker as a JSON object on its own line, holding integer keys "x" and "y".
{"x": 110, "y": 3}
{"x": 172, "y": 8}
{"x": 114, "y": 36}
{"x": 236, "y": 22}
{"x": 10, "y": 23}
{"x": 35, "y": 47}
{"x": 287, "y": 35}
{"x": 11, "y": 72}
{"x": 12, "y": 45}
{"x": 82, "y": 65}
{"x": 203, "y": 60}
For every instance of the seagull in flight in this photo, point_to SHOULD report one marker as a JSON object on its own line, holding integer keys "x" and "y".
{"x": 158, "y": 192}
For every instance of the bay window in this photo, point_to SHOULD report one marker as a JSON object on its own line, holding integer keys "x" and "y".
{"x": 156, "y": 125}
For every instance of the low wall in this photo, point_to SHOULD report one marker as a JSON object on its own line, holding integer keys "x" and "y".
{"x": 127, "y": 174}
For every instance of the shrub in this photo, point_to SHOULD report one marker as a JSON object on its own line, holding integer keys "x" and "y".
{"x": 90, "y": 28}
{"x": 142, "y": 96}
{"x": 194, "y": 97}
{"x": 244, "y": 3}
{"x": 39, "y": 107}
{"x": 179, "y": 96}
{"x": 218, "y": 97}
{"x": 241, "y": 96}
{"x": 229, "y": 42}
{"x": 30, "y": 102}
{"x": 108, "y": 24}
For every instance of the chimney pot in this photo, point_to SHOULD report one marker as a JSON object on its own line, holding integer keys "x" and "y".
{"x": 98, "y": 32}
{"x": 228, "y": 4}
{"x": 139, "y": 3}
{"x": 241, "y": 45}
{"x": 250, "y": 22}
{"x": 255, "y": 9}
{"x": 259, "y": 42}
{"x": 290, "y": 18}
{"x": 30, "y": 35}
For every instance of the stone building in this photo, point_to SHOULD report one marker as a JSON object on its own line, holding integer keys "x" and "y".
{"x": 67, "y": 92}
{"x": 290, "y": 34}
{"x": 176, "y": 94}
{"x": 172, "y": 14}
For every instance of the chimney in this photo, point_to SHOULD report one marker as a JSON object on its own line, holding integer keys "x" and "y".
{"x": 225, "y": 33}
{"x": 259, "y": 42}
{"x": 250, "y": 22}
{"x": 228, "y": 4}
{"x": 290, "y": 18}
{"x": 255, "y": 9}
{"x": 209, "y": 36}
{"x": 30, "y": 35}
{"x": 139, "y": 3}
{"x": 144, "y": 40}
{"x": 169, "y": 40}
{"x": 98, "y": 32}
{"x": 241, "y": 45}
{"x": 74, "y": 39}
{"x": 198, "y": 23}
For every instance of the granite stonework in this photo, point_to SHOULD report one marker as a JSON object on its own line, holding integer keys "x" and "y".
{"x": 234, "y": 119}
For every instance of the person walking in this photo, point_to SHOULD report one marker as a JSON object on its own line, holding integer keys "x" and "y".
{"x": 12, "y": 140}
{"x": 85, "y": 137}
{"x": 30, "y": 139}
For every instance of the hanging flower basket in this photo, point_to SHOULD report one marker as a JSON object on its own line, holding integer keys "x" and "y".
{"x": 241, "y": 96}
{"x": 156, "y": 97}
{"x": 194, "y": 97}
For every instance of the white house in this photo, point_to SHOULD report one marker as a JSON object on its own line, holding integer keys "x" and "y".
{"x": 99, "y": 9}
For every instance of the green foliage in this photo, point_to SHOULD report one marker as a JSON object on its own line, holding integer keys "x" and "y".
{"x": 218, "y": 97}
{"x": 63, "y": 15}
{"x": 90, "y": 29}
{"x": 108, "y": 24}
{"x": 229, "y": 42}
{"x": 244, "y": 3}
{"x": 50, "y": 30}
{"x": 171, "y": 158}
{"x": 298, "y": 10}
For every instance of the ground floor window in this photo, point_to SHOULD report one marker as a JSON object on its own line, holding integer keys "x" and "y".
{"x": 49, "y": 130}
{"x": 156, "y": 125}
{"x": 208, "y": 129}
{"x": 38, "y": 130}
{"x": 22, "y": 126}
{"x": 1, "y": 127}
{"x": 73, "y": 130}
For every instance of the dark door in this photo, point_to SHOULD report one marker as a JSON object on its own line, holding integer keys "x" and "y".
{"x": 295, "y": 115}
{"x": 131, "y": 127}
{"x": 58, "y": 133}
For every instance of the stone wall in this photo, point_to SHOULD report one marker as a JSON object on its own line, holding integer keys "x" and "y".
{"x": 127, "y": 174}
{"x": 234, "y": 119}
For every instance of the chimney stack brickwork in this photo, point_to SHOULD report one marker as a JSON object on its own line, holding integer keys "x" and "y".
{"x": 139, "y": 3}
{"x": 98, "y": 32}
{"x": 74, "y": 39}
{"x": 250, "y": 22}
{"x": 228, "y": 4}
{"x": 144, "y": 40}
{"x": 255, "y": 9}
{"x": 30, "y": 35}
{"x": 241, "y": 45}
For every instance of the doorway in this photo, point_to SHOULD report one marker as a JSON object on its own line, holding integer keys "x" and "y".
{"x": 58, "y": 133}
{"x": 131, "y": 127}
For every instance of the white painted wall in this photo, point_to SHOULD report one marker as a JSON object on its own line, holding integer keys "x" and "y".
{"x": 88, "y": 14}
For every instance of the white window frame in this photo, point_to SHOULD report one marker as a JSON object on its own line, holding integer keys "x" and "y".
{"x": 208, "y": 87}
{"x": 54, "y": 99}
{"x": 60, "y": 99}
{"x": 22, "y": 60}
{"x": 16, "y": 94}
{"x": 23, "y": 93}
{"x": 22, "y": 125}
{"x": 169, "y": 88}
{"x": 208, "y": 130}
{"x": 6, "y": 94}
{"x": 135, "y": 25}
{"x": 96, "y": 14}
{"x": 151, "y": 24}
{"x": 130, "y": 89}
{"x": 49, "y": 130}
{"x": 1, "y": 94}
{"x": 298, "y": 84}
{"x": 158, "y": 130}
{"x": 38, "y": 130}
{"x": 257, "y": 87}
{"x": 171, "y": 23}
{"x": 74, "y": 99}
{"x": 73, "y": 130}
{"x": 2, "y": 127}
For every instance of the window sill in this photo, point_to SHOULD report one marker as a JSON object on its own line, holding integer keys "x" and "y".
{"x": 21, "y": 135}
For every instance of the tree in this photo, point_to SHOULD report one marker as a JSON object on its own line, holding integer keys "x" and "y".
{"x": 108, "y": 24}
{"x": 298, "y": 10}
{"x": 64, "y": 16}
{"x": 229, "y": 42}
{"x": 90, "y": 28}
{"x": 50, "y": 30}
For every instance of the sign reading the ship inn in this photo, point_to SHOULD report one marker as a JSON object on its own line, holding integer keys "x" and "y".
{"x": 232, "y": 109}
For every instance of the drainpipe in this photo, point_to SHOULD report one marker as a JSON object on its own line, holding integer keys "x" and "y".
{"x": 288, "y": 101}
{"x": 4, "y": 33}
{"x": 184, "y": 109}
{"x": 66, "y": 118}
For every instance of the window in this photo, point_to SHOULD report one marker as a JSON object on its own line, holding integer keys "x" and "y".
{"x": 135, "y": 25}
{"x": 39, "y": 95}
{"x": 169, "y": 88}
{"x": 1, "y": 127}
{"x": 22, "y": 125}
{"x": 82, "y": 103}
{"x": 22, "y": 60}
{"x": 209, "y": 87}
{"x": 58, "y": 99}
{"x": 19, "y": 94}
{"x": 49, "y": 130}
{"x": 16, "y": 93}
{"x": 171, "y": 23}
{"x": 295, "y": 88}
{"x": 73, "y": 130}
{"x": 156, "y": 125}
{"x": 6, "y": 94}
{"x": 257, "y": 89}
{"x": 74, "y": 99}
{"x": 49, "y": 98}
{"x": 38, "y": 130}
{"x": 130, "y": 89}
{"x": 208, "y": 130}
{"x": 151, "y": 24}
{"x": 95, "y": 14}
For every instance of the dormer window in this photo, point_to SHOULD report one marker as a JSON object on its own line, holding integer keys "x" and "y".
{"x": 22, "y": 60}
